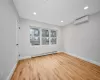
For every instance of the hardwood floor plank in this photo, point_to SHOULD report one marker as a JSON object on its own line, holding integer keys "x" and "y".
{"x": 58, "y": 66}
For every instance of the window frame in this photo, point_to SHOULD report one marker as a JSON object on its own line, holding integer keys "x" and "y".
{"x": 53, "y": 37}
{"x": 40, "y": 29}
{"x": 32, "y": 27}
{"x": 45, "y": 36}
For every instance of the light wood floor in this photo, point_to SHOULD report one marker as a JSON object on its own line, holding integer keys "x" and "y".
{"x": 58, "y": 66}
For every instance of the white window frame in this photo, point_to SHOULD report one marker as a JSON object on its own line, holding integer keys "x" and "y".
{"x": 40, "y": 29}
{"x": 39, "y": 35}
{"x": 53, "y": 37}
{"x": 45, "y": 37}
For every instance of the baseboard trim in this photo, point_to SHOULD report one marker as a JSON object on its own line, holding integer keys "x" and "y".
{"x": 12, "y": 71}
{"x": 14, "y": 67}
{"x": 26, "y": 57}
{"x": 36, "y": 55}
{"x": 85, "y": 59}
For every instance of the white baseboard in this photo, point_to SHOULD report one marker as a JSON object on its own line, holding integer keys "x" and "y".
{"x": 88, "y": 60}
{"x": 35, "y": 55}
{"x": 14, "y": 67}
{"x": 25, "y": 57}
{"x": 12, "y": 71}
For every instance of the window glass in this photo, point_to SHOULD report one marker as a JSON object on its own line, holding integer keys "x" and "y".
{"x": 53, "y": 38}
{"x": 34, "y": 36}
{"x": 45, "y": 37}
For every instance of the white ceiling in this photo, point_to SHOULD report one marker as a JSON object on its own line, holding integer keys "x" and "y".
{"x": 53, "y": 11}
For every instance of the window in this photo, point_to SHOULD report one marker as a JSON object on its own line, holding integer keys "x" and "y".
{"x": 35, "y": 36}
{"x": 45, "y": 37}
{"x": 40, "y": 36}
{"x": 53, "y": 36}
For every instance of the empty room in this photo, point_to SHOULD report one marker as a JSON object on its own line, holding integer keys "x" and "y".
{"x": 49, "y": 39}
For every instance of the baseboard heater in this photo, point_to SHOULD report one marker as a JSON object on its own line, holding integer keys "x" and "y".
{"x": 44, "y": 54}
{"x": 37, "y": 55}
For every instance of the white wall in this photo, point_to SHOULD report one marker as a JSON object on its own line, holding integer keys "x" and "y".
{"x": 25, "y": 49}
{"x": 84, "y": 40}
{"x": 8, "y": 55}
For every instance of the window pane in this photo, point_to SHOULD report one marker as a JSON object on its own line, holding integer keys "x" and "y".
{"x": 53, "y": 40}
{"x": 34, "y": 36}
{"x": 45, "y": 41}
{"x": 53, "y": 33}
{"x": 36, "y": 32}
{"x": 45, "y": 33}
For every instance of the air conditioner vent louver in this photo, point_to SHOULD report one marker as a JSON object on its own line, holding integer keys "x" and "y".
{"x": 81, "y": 20}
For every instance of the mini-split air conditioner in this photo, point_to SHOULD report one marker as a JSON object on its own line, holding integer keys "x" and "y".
{"x": 81, "y": 20}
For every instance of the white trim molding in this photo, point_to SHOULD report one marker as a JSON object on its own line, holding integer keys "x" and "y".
{"x": 83, "y": 58}
{"x": 12, "y": 71}
{"x": 26, "y": 57}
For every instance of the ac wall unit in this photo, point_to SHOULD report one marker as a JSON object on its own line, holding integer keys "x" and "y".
{"x": 81, "y": 20}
